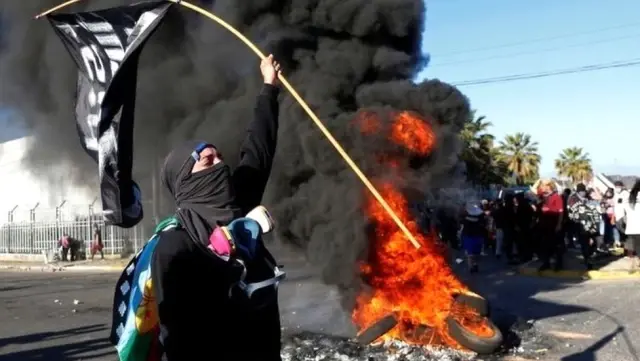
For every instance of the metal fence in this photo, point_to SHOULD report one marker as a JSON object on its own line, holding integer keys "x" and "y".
{"x": 37, "y": 234}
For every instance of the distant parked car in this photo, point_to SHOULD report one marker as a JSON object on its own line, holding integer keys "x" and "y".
{"x": 516, "y": 190}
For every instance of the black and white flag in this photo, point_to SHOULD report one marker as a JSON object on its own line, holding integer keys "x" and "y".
{"x": 106, "y": 45}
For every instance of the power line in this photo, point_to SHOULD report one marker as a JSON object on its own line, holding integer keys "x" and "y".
{"x": 582, "y": 69}
{"x": 537, "y": 40}
{"x": 506, "y": 56}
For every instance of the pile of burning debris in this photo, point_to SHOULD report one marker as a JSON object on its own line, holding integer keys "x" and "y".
{"x": 316, "y": 347}
{"x": 413, "y": 306}
{"x": 412, "y": 294}
{"x": 521, "y": 339}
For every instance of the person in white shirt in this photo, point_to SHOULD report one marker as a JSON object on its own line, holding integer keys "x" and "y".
{"x": 620, "y": 198}
{"x": 632, "y": 217}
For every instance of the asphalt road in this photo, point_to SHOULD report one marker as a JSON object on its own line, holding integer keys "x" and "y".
{"x": 33, "y": 326}
{"x": 590, "y": 321}
{"x": 39, "y": 320}
{"x": 584, "y": 320}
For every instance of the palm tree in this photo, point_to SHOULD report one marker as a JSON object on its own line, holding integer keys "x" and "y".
{"x": 478, "y": 151}
{"x": 475, "y": 133}
{"x": 520, "y": 155}
{"x": 575, "y": 164}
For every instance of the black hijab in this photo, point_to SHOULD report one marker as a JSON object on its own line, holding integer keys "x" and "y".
{"x": 204, "y": 199}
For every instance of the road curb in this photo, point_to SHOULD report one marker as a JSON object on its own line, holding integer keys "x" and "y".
{"x": 581, "y": 274}
{"x": 96, "y": 268}
{"x": 32, "y": 268}
{"x": 70, "y": 268}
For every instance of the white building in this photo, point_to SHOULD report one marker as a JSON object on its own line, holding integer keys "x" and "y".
{"x": 21, "y": 189}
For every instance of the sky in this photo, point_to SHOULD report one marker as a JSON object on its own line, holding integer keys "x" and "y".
{"x": 10, "y": 129}
{"x": 471, "y": 39}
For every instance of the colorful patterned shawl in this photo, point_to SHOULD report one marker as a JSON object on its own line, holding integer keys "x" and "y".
{"x": 135, "y": 330}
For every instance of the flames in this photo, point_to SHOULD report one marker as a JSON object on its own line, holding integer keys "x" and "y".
{"x": 417, "y": 284}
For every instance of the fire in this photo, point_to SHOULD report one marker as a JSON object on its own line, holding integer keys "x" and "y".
{"x": 413, "y": 133}
{"x": 407, "y": 130}
{"x": 417, "y": 284}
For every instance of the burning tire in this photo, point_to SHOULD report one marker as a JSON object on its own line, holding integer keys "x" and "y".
{"x": 378, "y": 329}
{"x": 481, "y": 344}
{"x": 474, "y": 301}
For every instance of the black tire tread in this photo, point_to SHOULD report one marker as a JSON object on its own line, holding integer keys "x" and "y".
{"x": 480, "y": 345}
{"x": 378, "y": 329}
{"x": 474, "y": 301}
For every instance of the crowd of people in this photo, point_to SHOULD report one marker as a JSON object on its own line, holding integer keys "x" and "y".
{"x": 545, "y": 222}
{"x": 69, "y": 248}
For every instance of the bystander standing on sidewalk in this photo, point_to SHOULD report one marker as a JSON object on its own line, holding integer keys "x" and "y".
{"x": 595, "y": 201}
{"x": 621, "y": 198}
{"x": 550, "y": 220}
{"x": 610, "y": 234}
{"x": 509, "y": 229}
{"x": 473, "y": 234}
{"x": 499, "y": 221}
{"x": 96, "y": 245}
{"x": 68, "y": 248}
{"x": 632, "y": 216}
{"x": 490, "y": 239}
{"x": 524, "y": 226}
{"x": 566, "y": 224}
{"x": 585, "y": 219}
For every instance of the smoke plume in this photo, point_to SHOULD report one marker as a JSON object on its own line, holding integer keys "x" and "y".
{"x": 197, "y": 81}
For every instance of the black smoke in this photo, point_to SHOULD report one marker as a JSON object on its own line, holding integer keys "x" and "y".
{"x": 196, "y": 80}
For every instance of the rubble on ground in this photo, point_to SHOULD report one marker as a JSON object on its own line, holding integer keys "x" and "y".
{"x": 309, "y": 346}
{"x": 522, "y": 341}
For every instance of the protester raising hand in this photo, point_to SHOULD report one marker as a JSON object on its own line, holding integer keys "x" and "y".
{"x": 270, "y": 70}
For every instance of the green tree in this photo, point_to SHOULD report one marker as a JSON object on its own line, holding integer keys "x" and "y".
{"x": 575, "y": 164}
{"x": 475, "y": 132}
{"x": 520, "y": 155}
{"x": 479, "y": 153}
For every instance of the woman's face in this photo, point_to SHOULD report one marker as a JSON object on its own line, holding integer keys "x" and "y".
{"x": 546, "y": 188}
{"x": 208, "y": 157}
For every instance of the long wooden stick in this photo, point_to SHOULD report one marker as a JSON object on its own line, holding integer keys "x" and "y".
{"x": 56, "y": 8}
{"x": 302, "y": 103}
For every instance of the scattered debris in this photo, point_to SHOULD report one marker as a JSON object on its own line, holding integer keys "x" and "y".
{"x": 522, "y": 339}
{"x": 315, "y": 347}
{"x": 570, "y": 335}
{"x": 522, "y": 342}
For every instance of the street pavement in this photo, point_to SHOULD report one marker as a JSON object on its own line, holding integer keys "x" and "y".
{"x": 587, "y": 321}
{"x": 605, "y": 267}
{"x": 593, "y": 320}
{"x": 33, "y": 326}
{"x": 39, "y": 320}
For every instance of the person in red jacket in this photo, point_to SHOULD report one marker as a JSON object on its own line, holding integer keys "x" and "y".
{"x": 97, "y": 245}
{"x": 550, "y": 220}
